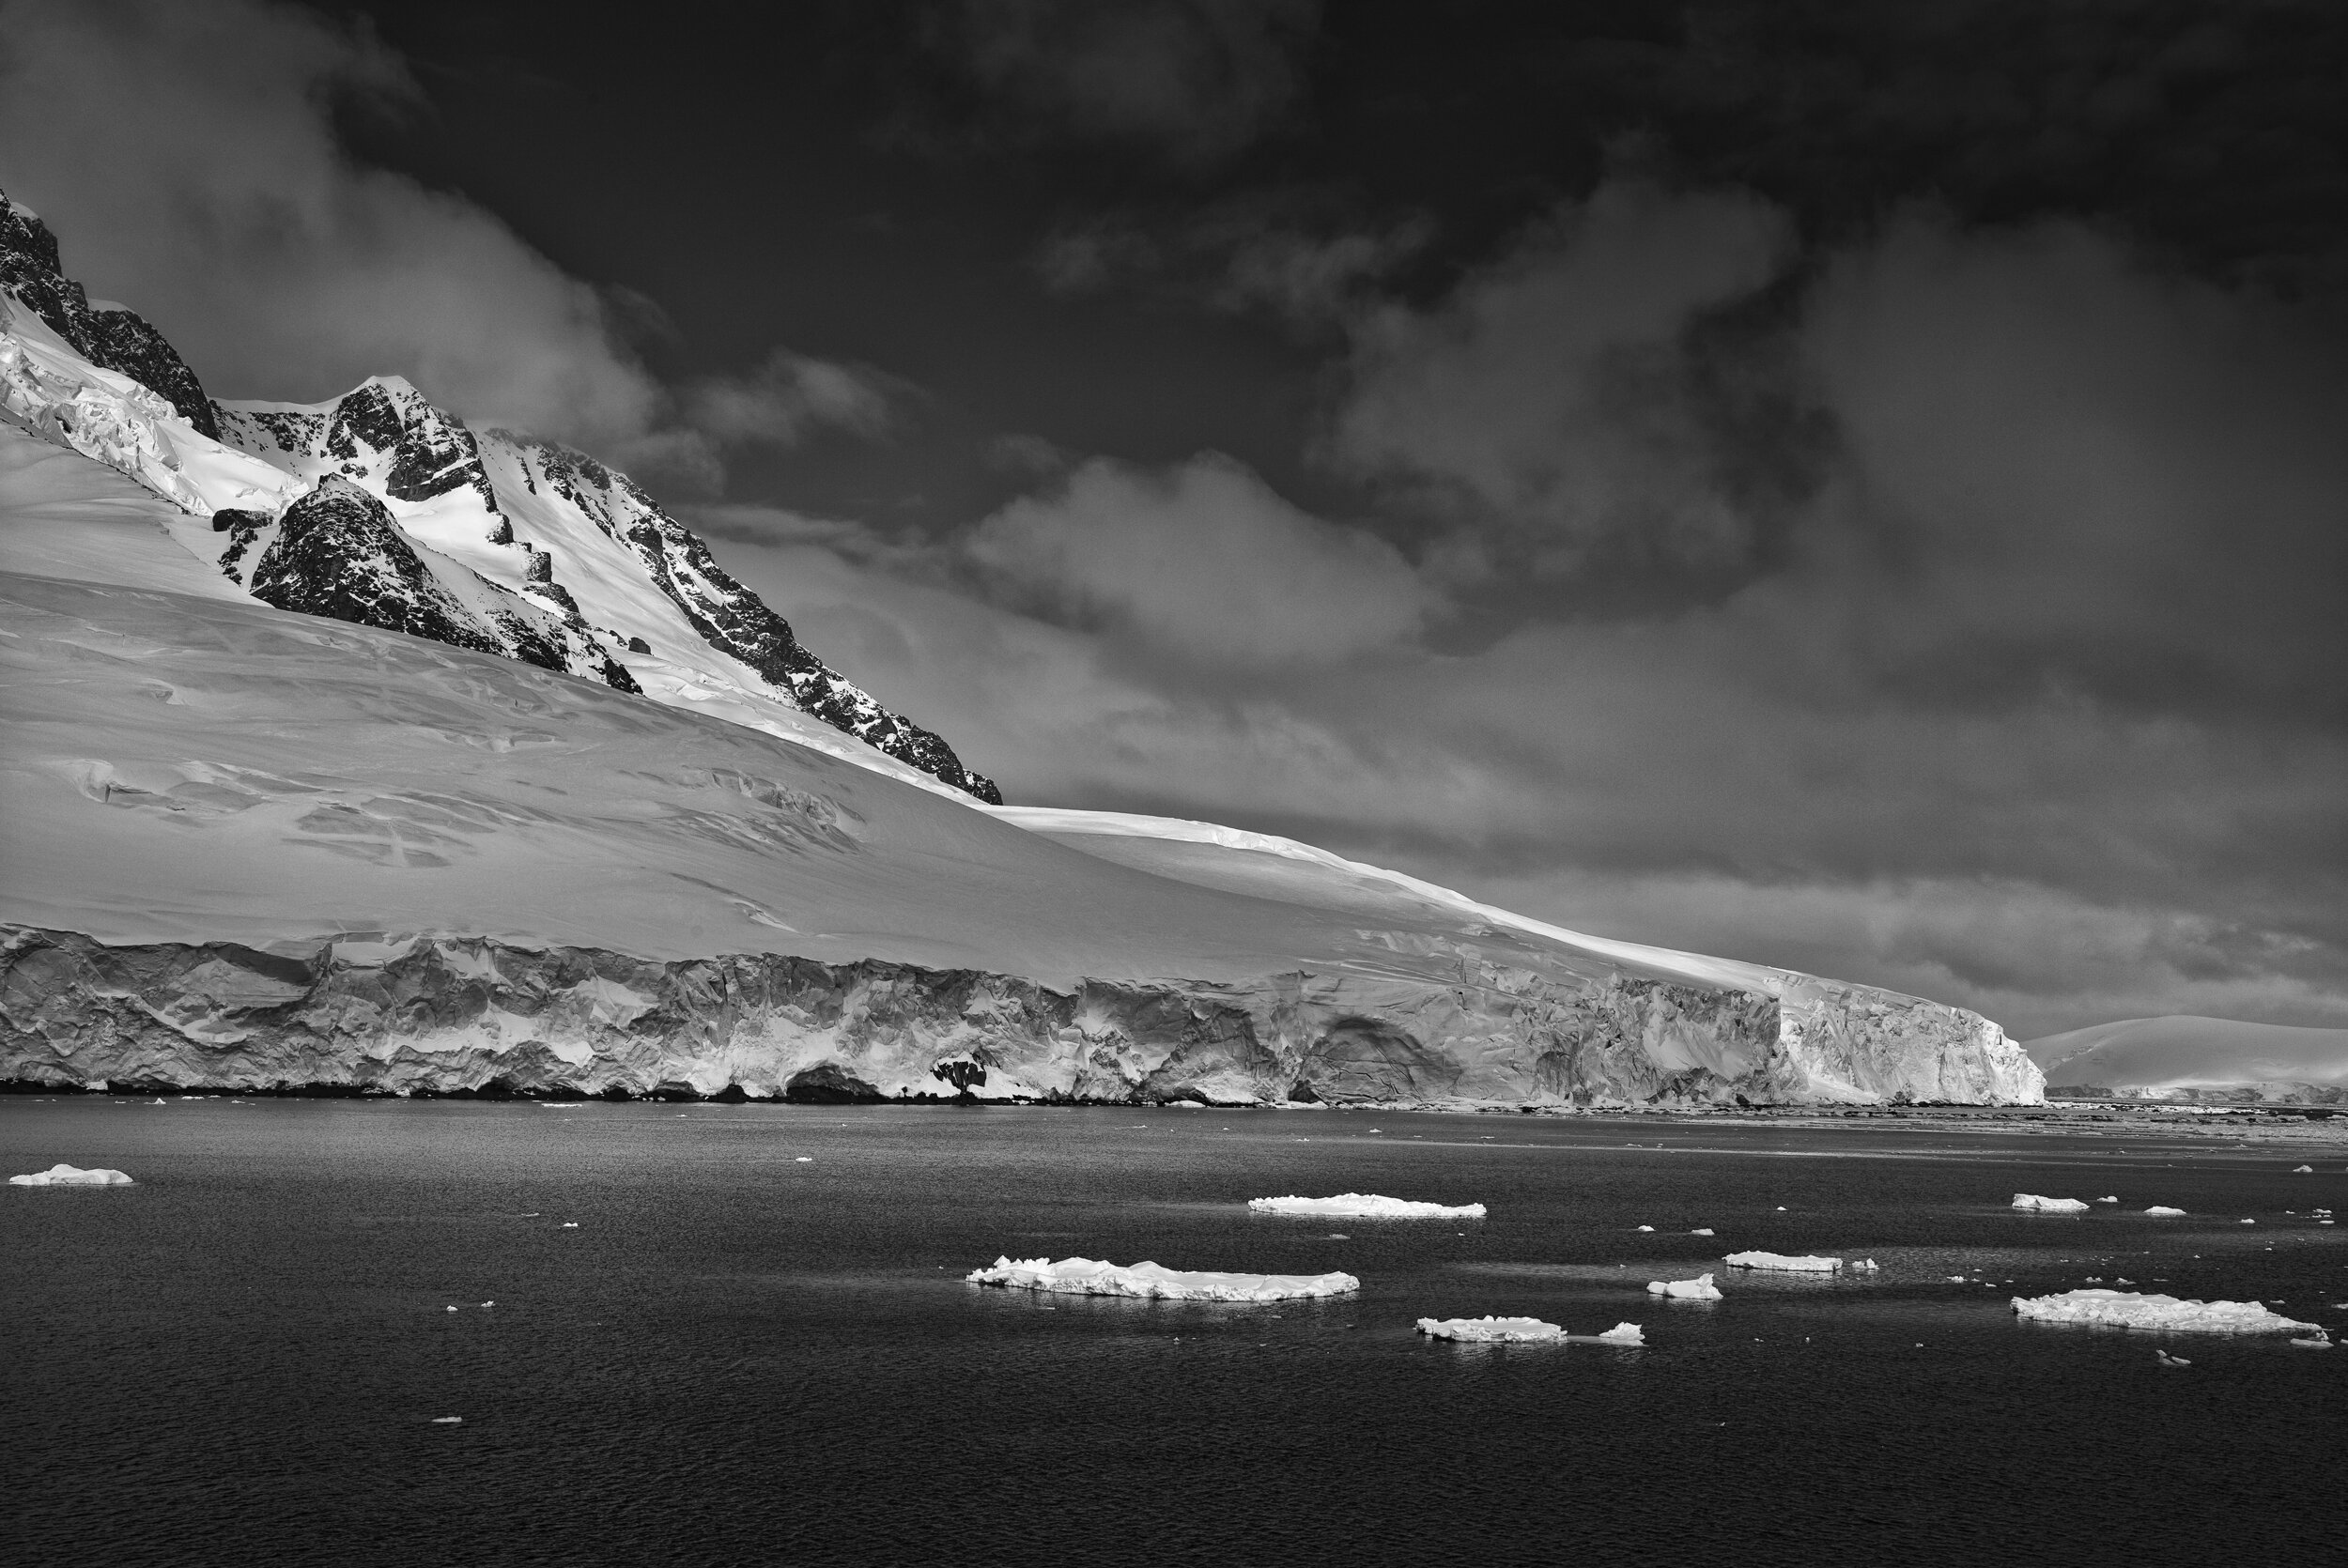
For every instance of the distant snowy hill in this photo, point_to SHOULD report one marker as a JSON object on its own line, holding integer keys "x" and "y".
{"x": 2186, "y": 1056}
{"x": 524, "y": 547}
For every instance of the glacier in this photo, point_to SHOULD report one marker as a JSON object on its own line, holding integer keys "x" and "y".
{"x": 2121, "y": 1309}
{"x": 605, "y": 827}
{"x": 63, "y": 1174}
{"x": 1078, "y": 1276}
{"x": 1365, "y": 1206}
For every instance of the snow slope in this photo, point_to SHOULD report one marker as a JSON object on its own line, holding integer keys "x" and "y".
{"x": 2183, "y": 1055}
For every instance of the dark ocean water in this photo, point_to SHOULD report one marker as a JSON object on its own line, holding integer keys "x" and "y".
{"x": 740, "y": 1356}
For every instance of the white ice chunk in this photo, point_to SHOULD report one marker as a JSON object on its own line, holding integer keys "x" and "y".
{"x": 2163, "y": 1209}
{"x": 2302, "y": 1170}
{"x": 2107, "y": 1199}
{"x": 2123, "y": 1309}
{"x": 1509, "y": 1330}
{"x": 1625, "y": 1333}
{"x": 1080, "y": 1276}
{"x": 1365, "y": 1206}
{"x": 1701, "y": 1288}
{"x": 1864, "y": 1266}
{"x": 1780, "y": 1263}
{"x": 63, "y": 1174}
{"x": 2049, "y": 1206}
{"x": 1707, "y": 1231}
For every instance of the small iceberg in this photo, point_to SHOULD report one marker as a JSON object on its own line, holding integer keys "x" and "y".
{"x": 63, "y": 1174}
{"x": 1490, "y": 1330}
{"x": 447, "y": 1420}
{"x": 1701, "y": 1288}
{"x": 1365, "y": 1206}
{"x": 2123, "y": 1309}
{"x": 1082, "y": 1276}
{"x": 2037, "y": 1205}
{"x": 1646, "y": 1227}
{"x": 2108, "y": 1200}
{"x": 2163, "y": 1211}
{"x": 1864, "y": 1266}
{"x": 2167, "y": 1360}
{"x": 2302, "y": 1170}
{"x": 1625, "y": 1333}
{"x": 1780, "y": 1263}
{"x": 1707, "y": 1231}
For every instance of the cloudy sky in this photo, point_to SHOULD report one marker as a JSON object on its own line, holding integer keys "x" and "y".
{"x": 1860, "y": 487}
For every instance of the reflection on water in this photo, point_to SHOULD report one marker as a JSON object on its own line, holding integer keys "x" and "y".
{"x": 742, "y": 1334}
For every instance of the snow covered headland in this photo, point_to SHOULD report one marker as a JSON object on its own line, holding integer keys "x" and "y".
{"x": 466, "y": 718}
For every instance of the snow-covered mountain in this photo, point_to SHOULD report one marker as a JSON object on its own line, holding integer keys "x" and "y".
{"x": 2185, "y": 1057}
{"x": 528, "y": 547}
{"x": 359, "y": 749}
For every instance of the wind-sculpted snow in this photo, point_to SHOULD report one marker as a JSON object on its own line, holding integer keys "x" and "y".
{"x": 1365, "y": 1206}
{"x": 1079, "y": 1276}
{"x": 1777, "y": 1263}
{"x": 2034, "y": 1204}
{"x": 63, "y": 1174}
{"x": 2123, "y": 1308}
{"x": 1491, "y": 1330}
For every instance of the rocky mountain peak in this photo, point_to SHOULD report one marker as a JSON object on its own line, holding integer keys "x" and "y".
{"x": 110, "y": 336}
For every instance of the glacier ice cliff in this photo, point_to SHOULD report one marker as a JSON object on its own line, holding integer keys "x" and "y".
{"x": 452, "y": 1014}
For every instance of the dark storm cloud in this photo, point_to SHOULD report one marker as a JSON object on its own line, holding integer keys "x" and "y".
{"x": 1193, "y": 80}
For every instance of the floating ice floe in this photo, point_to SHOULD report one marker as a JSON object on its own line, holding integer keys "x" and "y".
{"x": 1625, "y": 1333}
{"x": 1646, "y": 1227}
{"x": 1780, "y": 1263}
{"x": 2032, "y": 1202}
{"x": 2107, "y": 1199}
{"x": 1707, "y": 1231}
{"x": 2318, "y": 1342}
{"x": 447, "y": 1420}
{"x": 1863, "y": 1265}
{"x": 2164, "y": 1211}
{"x": 1701, "y": 1288}
{"x": 1081, "y": 1276}
{"x": 1366, "y": 1206}
{"x": 2123, "y": 1309}
{"x": 2302, "y": 1170}
{"x": 2167, "y": 1360}
{"x": 1502, "y": 1331}
{"x": 2246, "y": 1221}
{"x": 63, "y": 1174}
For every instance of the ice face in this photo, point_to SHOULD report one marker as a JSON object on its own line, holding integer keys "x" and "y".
{"x": 1491, "y": 1330}
{"x": 1780, "y": 1263}
{"x": 63, "y": 1174}
{"x": 2122, "y": 1309}
{"x": 1079, "y": 1276}
{"x": 1365, "y": 1206}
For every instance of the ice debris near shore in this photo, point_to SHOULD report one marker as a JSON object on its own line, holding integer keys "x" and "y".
{"x": 1778, "y": 1263}
{"x": 1365, "y": 1206}
{"x": 2037, "y": 1205}
{"x": 1081, "y": 1276}
{"x": 1701, "y": 1288}
{"x": 1491, "y": 1330}
{"x": 63, "y": 1174}
{"x": 2164, "y": 1211}
{"x": 2123, "y": 1309}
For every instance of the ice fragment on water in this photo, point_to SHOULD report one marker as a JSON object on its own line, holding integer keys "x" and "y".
{"x": 1079, "y": 1276}
{"x": 1366, "y": 1206}
{"x": 1508, "y": 1331}
{"x": 2121, "y": 1309}
{"x": 2164, "y": 1211}
{"x": 1780, "y": 1263}
{"x": 1707, "y": 1231}
{"x": 1701, "y": 1288}
{"x": 447, "y": 1421}
{"x": 63, "y": 1174}
{"x": 1625, "y": 1333}
{"x": 2031, "y": 1201}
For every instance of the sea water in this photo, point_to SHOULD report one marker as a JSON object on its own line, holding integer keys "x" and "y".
{"x": 740, "y": 1333}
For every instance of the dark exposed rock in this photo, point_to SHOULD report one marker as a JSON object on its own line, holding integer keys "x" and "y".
{"x": 736, "y": 621}
{"x": 829, "y": 1083}
{"x": 113, "y": 338}
{"x": 229, "y": 518}
{"x": 638, "y": 645}
{"x": 338, "y": 553}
